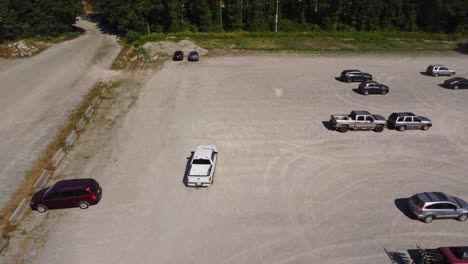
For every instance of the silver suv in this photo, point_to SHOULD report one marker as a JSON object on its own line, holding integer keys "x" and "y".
{"x": 429, "y": 205}
{"x": 437, "y": 69}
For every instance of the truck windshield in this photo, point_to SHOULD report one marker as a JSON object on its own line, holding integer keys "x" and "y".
{"x": 201, "y": 162}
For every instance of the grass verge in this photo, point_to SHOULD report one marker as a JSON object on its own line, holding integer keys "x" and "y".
{"x": 44, "y": 162}
{"x": 319, "y": 42}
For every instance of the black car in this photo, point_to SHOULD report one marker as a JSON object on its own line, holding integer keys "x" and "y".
{"x": 355, "y": 76}
{"x": 456, "y": 83}
{"x": 178, "y": 56}
{"x": 193, "y": 56}
{"x": 371, "y": 87}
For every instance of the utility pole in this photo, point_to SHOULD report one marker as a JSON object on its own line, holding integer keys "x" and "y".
{"x": 221, "y": 6}
{"x": 276, "y": 16}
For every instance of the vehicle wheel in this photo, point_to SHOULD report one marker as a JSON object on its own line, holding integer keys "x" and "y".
{"x": 384, "y": 92}
{"x": 436, "y": 74}
{"x": 428, "y": 219}
{"x": 348, "y": 80}
{"x": 425, "y": 127}
{"x": 378, "y": 129}
{"x": 462, "y": 218}
{"x": 83, "y": 205}
{"x": 402, "y": 128}
{"x": 366, "y": 92}
{"x": 41, "y": 208}
{"x": 455, "y": 87}
{"x": 343, "y": 129}
{"x": 452, "y": 74}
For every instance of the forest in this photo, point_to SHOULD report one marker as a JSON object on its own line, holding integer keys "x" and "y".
{"x": 28, "y": 18}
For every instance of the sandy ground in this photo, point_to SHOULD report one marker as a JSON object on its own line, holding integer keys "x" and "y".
{"x": 287, "y": 189}
{"x": 37, "y": 95}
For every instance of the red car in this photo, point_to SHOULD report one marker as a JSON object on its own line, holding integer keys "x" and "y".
{"x": 66, "y": 194}
{"x": 445, "y": 255}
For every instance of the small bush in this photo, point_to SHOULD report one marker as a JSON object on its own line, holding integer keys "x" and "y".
{"x": 132, "y": 36}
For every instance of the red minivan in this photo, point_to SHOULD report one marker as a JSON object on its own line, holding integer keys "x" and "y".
{"x": 67, "y": 193}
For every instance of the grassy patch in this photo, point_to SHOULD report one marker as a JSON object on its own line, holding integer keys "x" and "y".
{"x": 25, "y": 189}
{"x": 318, "y": 42}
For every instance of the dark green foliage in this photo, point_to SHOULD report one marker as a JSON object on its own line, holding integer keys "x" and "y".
{"x": 31, "y": 18}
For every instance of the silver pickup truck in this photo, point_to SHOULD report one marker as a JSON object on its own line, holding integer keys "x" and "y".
{"x": 362, "y": 120}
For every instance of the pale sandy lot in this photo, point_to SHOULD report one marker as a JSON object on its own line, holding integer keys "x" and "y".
{"x": 38, "y": 94}
{"x": 287, "y": 189}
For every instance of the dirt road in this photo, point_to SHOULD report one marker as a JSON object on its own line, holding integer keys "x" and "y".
{"x": 287, "y": 189}
{"x": 37, "y": 94}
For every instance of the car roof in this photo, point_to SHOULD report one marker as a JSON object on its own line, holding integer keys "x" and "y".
{"x": 433, "y": 65}
{"x": 74, "y": 183}
{"x": 361, "y": 112}
{"x": 178, "y": 51}
{"x": 398, "y": 114}
{"x": 346, "y": 71}
{"x": 434, "y": 197}
{"x": 202, "y": 153}
{"x": 194, "y": 52}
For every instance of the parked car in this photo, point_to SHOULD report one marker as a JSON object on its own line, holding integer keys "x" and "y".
{"x": 430, "y": 205}
{"x": 178, "y": 56}
{"x": 438, "y": 69}
{"x": 456, "y": 83}
{"x": 406, "y": 120}
{"x": 355, "y": 76}
{"x": 193, "y": 56}
{"x": 362, "y": 120}
{"x": 371, "y": 87}
{"x": 445, "y": 255}
{"x": 67, "y": 193}
{"x": 202, "y": 166}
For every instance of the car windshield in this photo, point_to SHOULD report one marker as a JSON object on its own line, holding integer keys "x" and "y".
{"x": 47, "y": 191}
{"x": 193, "y": 53}
{"x": 201, "y": 162}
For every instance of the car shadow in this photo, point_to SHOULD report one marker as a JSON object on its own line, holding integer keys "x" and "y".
{"x": 413, "y": 256}
{"x": 402, "y": 205}
{"x": 187, "y": 169}
{"x": 356, "y": 90}
{"x": 424, "y": 73}
{"x": 338, "y": 79}
{"x": 327, "y": 125}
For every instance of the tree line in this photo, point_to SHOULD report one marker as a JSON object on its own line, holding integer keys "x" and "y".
{"x": 25, "y": 18}
{"x": 31, "y": 18}
{"x": 294, "y": 15}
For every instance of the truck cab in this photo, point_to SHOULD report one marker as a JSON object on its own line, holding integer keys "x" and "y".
{"x": 358, "y": 120}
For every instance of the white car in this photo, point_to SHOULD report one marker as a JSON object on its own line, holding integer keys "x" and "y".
{"x": 202, "y": 166}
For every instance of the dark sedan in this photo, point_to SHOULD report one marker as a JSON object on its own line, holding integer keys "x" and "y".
{"x": 355, "y": 76}
{"x": 456, "y": 83}
{"x": 193, "y": 56}
{"x": 371, "y": 87}
{"x": 178, "y": 56}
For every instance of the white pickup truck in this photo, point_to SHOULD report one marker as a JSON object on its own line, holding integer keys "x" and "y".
{"x": 202, "y": 166}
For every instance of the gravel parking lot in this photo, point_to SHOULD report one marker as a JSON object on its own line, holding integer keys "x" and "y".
{"x": 287, "y": 189}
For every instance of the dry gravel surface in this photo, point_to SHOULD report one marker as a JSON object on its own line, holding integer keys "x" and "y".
{"x": 37, "y": 95}
{"x": 287, "y": 189}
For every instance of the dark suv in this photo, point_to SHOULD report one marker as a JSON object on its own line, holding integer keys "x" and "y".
{"x": 371, "y": 87}
{"x": 178, "y": 56}
{"x": 68, "y": 193}
{"x": 355, "y": 76}
{"x": 457, "y": 82}
{"x": 429, "y": 205}
{"x": 406, "y": 120}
